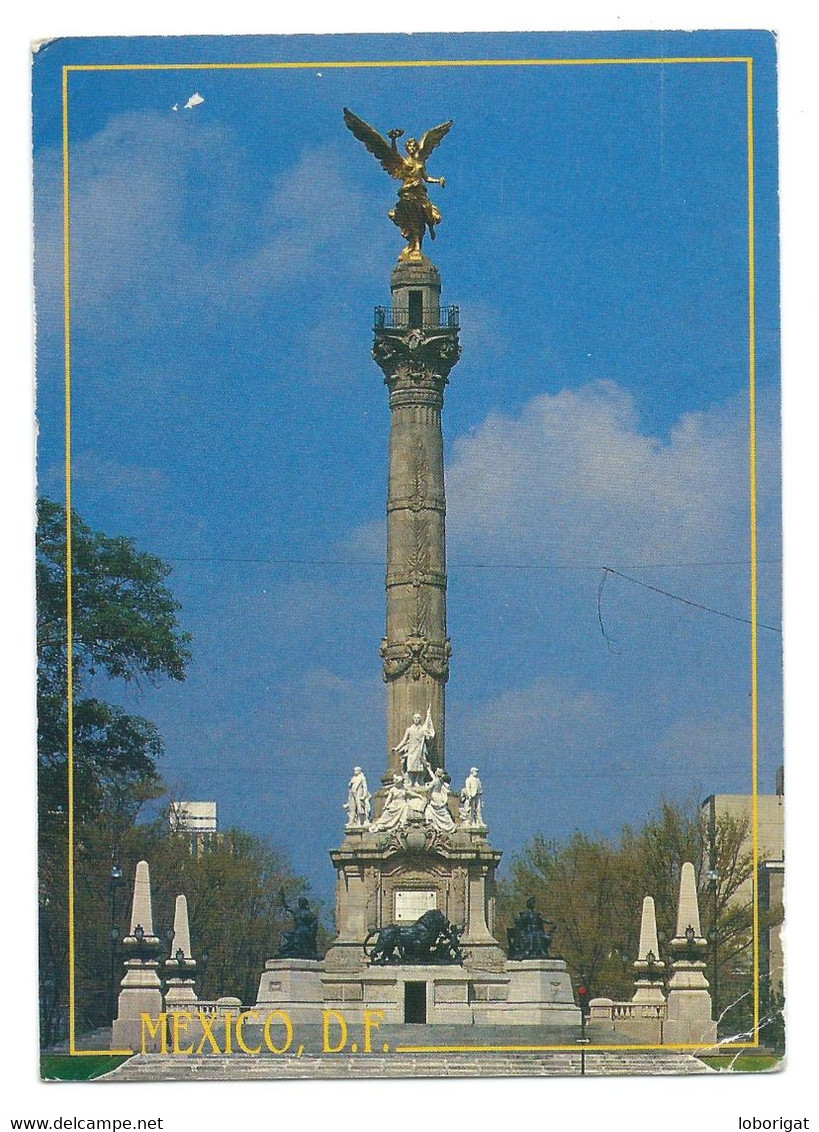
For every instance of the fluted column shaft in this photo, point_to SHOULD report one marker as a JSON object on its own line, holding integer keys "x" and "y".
{"x": 416, "y": 639}
{"x": 416, "y": 355}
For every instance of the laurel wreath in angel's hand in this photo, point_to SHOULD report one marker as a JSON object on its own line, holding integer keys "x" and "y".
{"x": 414, "y": 214}
{"x": 412, "y": 166}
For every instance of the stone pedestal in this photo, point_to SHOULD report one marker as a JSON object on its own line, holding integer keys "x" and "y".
{"x": 141, "y": 994}
{"x": 535, "y": 992}
{"x": 648, "y": 985}
{"x": 180, "y": 966}
{"x": 292, "y": 985}
{"x": 649, "y": 969}
{"x": 689, "y": 1001}
{"x": 648, "y": 994}
{"x": 180, "y": 993}
{"x": 387, "y": 878}
{"x": 530, "y": 992}
{"x": 443, "y": 989}
{"x": 689, "y": 1006}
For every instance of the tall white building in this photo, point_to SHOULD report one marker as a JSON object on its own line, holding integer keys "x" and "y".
{"x": 198, "y": 821}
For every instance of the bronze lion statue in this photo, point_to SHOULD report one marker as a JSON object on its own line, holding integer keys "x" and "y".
{"x": 431, "y": 939}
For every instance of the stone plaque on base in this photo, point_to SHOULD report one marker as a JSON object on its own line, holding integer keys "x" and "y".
{"x": 410, "y": 903}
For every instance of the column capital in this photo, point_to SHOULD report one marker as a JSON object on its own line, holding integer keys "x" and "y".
{"x": 416, "y": 358}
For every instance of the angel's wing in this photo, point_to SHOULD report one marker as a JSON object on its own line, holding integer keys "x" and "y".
{"x": 433, "y": 137}
{"x": 391, "y": 160}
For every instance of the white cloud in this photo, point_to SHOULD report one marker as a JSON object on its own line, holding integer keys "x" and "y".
{"x": 573, "y": 478}
{"x": 166, "y": 225}
{"x": 552, "y": 723}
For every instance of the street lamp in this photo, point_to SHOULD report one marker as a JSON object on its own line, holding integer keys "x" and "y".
{"x": 114, "y": 882}
{"x": 583, "y": 995}
{"x": 713, "y": 881}
{"x": 690, "y": 937}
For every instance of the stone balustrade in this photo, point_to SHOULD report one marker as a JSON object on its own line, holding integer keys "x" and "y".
{"x": 606, "y": 1010}
{"x": 640, "y": 1021}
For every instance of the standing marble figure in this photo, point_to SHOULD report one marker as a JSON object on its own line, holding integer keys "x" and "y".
{"x": 471, "y": 811}
{"x": 414, "y": 748}
{"x": 358, "y": 799}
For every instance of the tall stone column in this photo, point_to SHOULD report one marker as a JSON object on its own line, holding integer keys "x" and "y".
{"x": 648, "y": 967}
{"x": 689, "y": 1001}
{"x": 416, "y": 346}
{"x": 180, "y": 966}
{"x": 141, "y": 993}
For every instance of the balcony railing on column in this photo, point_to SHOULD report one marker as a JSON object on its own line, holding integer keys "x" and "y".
{"x": 399, "y": 317}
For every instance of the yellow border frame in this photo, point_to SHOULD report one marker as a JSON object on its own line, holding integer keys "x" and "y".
{"x": 672, "y": 60}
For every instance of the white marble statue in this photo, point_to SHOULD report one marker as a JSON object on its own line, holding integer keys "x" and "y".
{"x": 471, "y": 794}
{"x": 437, "y": 812}
{"x": 413, "y": 748}
{"x": 358, "y": 799}
{"x": 396, "y": 807}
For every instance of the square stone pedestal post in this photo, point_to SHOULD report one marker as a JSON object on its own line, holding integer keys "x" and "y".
{"x": 292, "y": 985}
{"x": 689, "y": 1019}
{"x": 141, "y": 994}
{"x": 536, "y": 992}
{"x": 180, "y": 966}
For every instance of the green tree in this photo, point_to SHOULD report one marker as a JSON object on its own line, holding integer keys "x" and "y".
{"x": 575, "y": 886}
{"x": 125, "y": 628}
{"x": 233, "y": 888}
{"x": 593, "y": 889}
{"x": 654, "y": 854}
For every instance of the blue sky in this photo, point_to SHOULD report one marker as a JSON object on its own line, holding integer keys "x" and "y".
{"x": 227, "y": 415}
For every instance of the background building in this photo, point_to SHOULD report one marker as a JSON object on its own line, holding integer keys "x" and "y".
{"x": 770, "y": 873}
{"x": 196, "y": 820}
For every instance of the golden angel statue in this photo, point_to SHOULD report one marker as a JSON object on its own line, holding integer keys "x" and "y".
{"x": 415, "y": 213}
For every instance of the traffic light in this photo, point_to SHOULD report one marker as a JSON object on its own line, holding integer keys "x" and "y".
{"x": 583, "y": 996}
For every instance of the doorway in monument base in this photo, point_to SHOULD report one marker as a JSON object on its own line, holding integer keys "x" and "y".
{"x": 415, "y": 1002}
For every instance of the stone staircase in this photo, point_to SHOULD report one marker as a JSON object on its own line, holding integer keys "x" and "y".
{"x": 507, "y": 1063}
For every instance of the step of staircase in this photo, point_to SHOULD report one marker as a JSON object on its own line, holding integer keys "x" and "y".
{"x": 161, "y": 1067}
